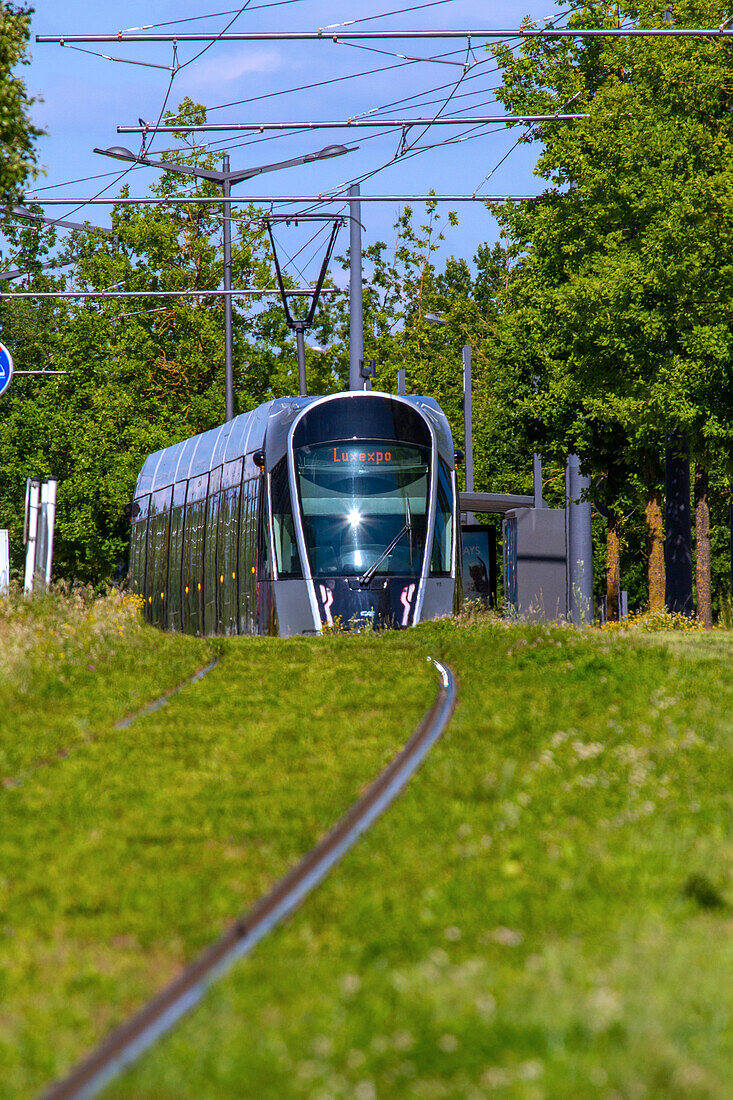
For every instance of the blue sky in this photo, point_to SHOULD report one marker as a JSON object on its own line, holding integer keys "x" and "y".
{"x": 84, "y": 98}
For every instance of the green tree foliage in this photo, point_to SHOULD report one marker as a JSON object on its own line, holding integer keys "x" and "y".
{"x": 403, "y": 288}
{"x": 619, "y": 326}
{"x": 143, "y": 372}
{"x": 17, "y": 133}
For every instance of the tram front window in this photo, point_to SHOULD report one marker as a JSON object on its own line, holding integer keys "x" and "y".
{"x": 355, "y": 500}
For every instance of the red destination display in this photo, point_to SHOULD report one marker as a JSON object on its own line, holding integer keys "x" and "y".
{"x": 362, "y": 456}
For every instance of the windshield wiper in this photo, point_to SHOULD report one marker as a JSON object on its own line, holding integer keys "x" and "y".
{"x": 407, "y": 529}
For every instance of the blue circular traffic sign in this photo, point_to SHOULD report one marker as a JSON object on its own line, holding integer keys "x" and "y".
{"x": 6, "y": 369}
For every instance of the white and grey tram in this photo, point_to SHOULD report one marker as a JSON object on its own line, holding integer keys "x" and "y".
{"x": 308, "y": 513}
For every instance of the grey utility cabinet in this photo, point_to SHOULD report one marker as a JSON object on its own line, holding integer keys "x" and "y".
{"x": 535, "y": 567}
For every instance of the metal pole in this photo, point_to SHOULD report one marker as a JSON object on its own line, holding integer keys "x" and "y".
{"x": 212, "y": 200}
{"x": 228, "y": 369}
{"x": 468, "y": 423}
{"x": 49, "y": 494}
{"x": 356, "y": 301}
{"x": 300, "y": 342}
{"x": 254, "y": 291}
{"x": 32, "y": 507}
{"x": 347, "y": 124}
{"x": 4, "y": 560}
{"x": 537, "y": 480}
{"x": 731, "y": 550}
{"x": 401, "y": 391}
{"x": 578, "y": 544}
{"x": 335, "y": 34}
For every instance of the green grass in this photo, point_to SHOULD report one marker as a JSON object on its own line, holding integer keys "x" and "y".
{"x": 70, "y": 664}
{"x": 545, "y": 913}
{"x": 123, "y": 858}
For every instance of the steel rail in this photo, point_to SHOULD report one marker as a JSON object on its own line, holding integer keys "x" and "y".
{"x": 326, "y": 35}
{"x": 134, "y": 1036}
{"x": 338, "y": 197}
{"x": 346, "y": 124}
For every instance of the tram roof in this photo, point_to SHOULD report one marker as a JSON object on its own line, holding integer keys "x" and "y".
{"x": 245, "y": 434}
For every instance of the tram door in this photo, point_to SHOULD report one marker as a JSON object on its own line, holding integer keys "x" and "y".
{"x": 265, "y": 601}
{"x": 192, "y": 595}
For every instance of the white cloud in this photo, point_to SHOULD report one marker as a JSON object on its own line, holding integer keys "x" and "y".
{"x": 224, "y": 67}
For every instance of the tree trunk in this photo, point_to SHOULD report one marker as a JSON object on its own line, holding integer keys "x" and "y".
{"x": 613, "y": 566}
{"x": 702, "y": 548}
{"x": 678, "y": 525}
{"x": 655, "y": 548}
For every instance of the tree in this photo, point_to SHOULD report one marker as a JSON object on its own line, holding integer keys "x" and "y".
{"x": 403, "y": 285}
{"x": 144, "y": 372}
{"x": 17, "y": 133}
{"x": 624, "y": 275}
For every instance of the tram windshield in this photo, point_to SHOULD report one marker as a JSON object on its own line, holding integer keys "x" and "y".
{"x": 356, "y": 498}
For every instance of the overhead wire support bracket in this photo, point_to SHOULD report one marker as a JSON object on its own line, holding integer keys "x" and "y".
{"x": 347, "y": 124}
{"x": 272, "y": 199}
{"x": 252, "y": 291}
{"x": 475, "y": 32}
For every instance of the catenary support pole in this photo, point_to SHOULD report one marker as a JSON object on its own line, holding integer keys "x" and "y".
{"x": 731, "y": 545}
{"x": 356, "y": 302}
{"x": 300, "y": 344}
{"x": 468, "y": 423}
{"x": 678, "y": 533}
{"x": 228, "y": 355}
{"x": 578, "y": 543}
{"x": 537, "y": 480}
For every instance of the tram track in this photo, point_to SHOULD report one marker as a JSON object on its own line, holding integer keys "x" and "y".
{"x": 62, "y": 753}
{"x": 131, "y": 1038}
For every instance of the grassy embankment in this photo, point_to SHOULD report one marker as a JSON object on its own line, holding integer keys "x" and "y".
{"x": 545, "y": 913}
{"x": 124, "y": 851}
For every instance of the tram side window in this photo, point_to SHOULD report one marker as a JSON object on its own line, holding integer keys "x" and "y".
{"x": 157, "y": 571}
{"x": 138, "y": 545}
{"x": 440, "y": 560}
{"x": 175, "y": 557}
{"x": 287, "y": 558}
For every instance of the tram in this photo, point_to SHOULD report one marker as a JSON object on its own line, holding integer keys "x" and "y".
{"x": 307, "y": 514}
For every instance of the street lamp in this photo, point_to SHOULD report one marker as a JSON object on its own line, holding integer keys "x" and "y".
{"x": 226, "y": 179}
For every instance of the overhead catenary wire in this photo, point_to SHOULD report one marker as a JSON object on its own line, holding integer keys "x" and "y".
{"x": 209, "y": 15}
{"x": 228, "y": 144}
{"x": 219, "y": 36}
{"x": 385, "y": 14}
{"x": 276, "y": 4}
{"x": 403, "y": 64}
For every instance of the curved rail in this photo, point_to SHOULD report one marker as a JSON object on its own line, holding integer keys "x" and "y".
{"x": 135, "y": 1035}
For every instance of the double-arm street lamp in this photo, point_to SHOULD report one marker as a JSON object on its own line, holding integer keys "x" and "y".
{"x": 226, "y": 179}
